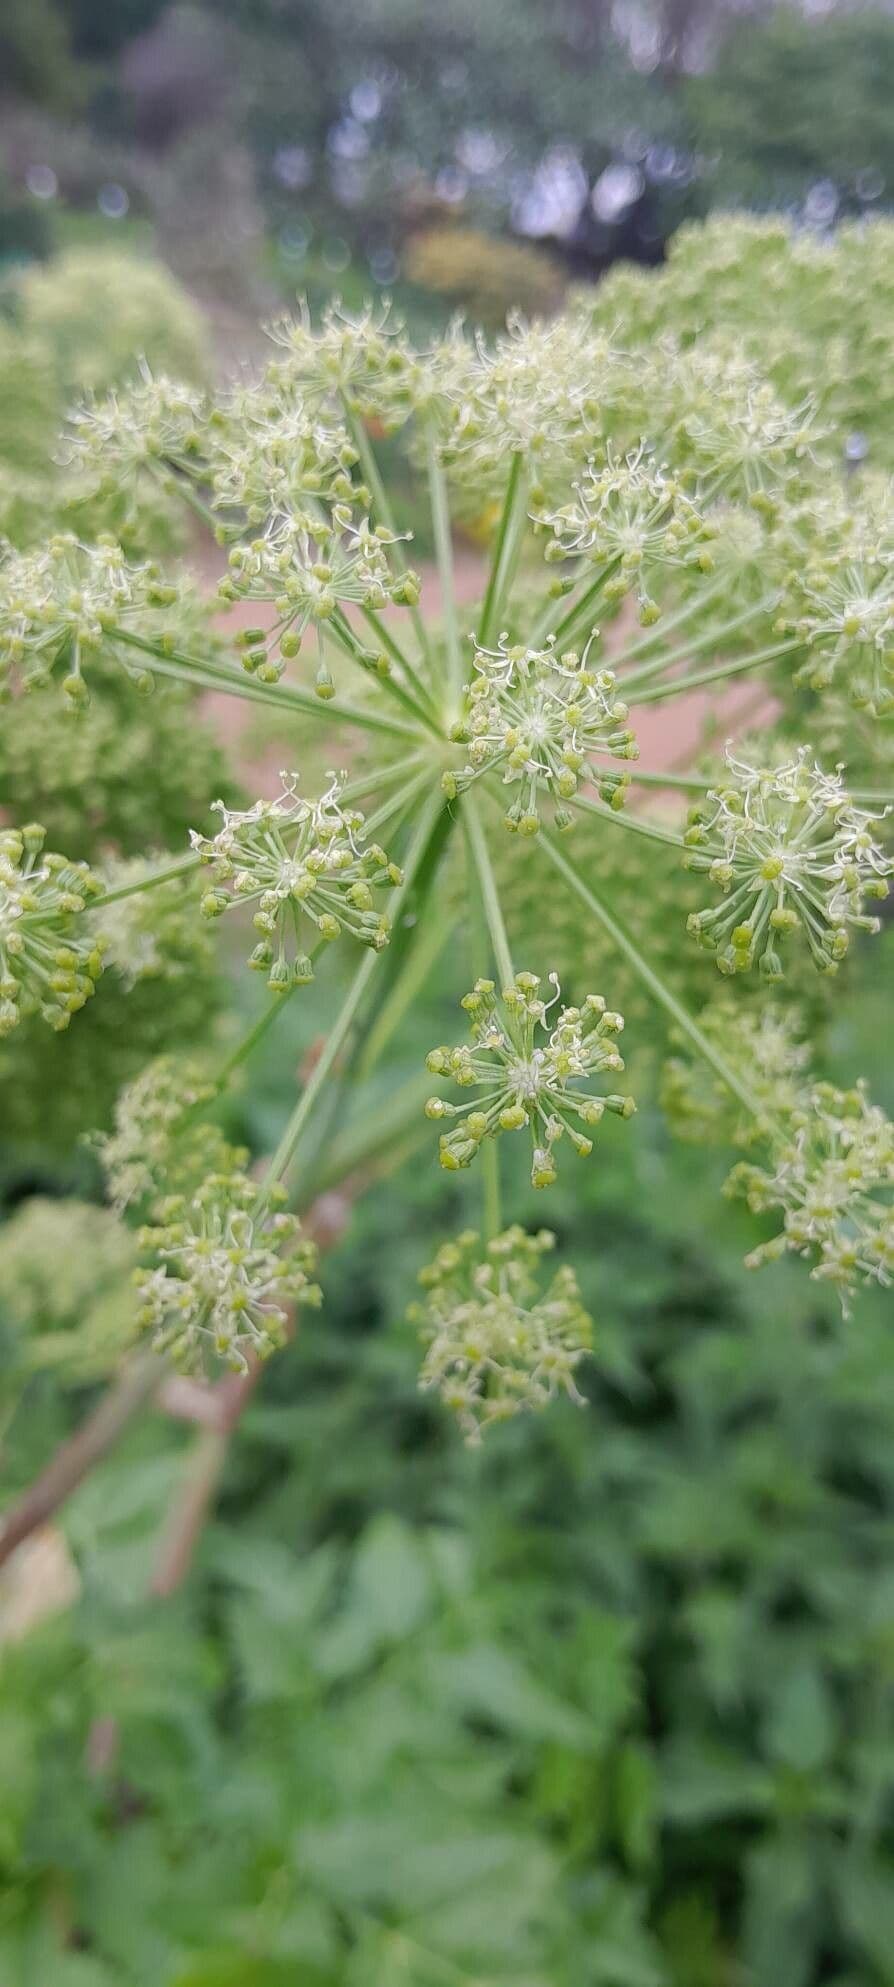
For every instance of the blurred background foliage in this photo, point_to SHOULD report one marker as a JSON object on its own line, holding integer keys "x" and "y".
{"x": 269, "y": 143}
{"x": 611, "y": 1703}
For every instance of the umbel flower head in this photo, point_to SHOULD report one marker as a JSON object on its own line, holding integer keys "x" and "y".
{"x": 45, "y": 964}
{"x": 630, "y": 517}
{"x": 497, "y": 1343}
{"x": 844, "y": 611}
{"x": 766, "y": 1049}
{"x": 60, "y": 604}
{"x": 151, "y": 427}
{"x": 831, "y": 1172}
{"x": 527, "y": 1072}
{"x": 541, "y": 717}
{"x": 788, "y": 850}
{"x": 296, "y": 859}
{"x": 310, "y": 570}
{"x": 225, "y": 1265}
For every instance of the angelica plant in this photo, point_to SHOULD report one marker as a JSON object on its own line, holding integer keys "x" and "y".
{"x": 663, "y": 519}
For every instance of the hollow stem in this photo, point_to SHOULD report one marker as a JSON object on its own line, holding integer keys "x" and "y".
{"x": 660, "y": 992}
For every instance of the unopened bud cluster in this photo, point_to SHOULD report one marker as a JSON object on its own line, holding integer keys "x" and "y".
{"x": 46, "y": 965}
{"x": 541, "y": 717}
{"x": 498, "y": 1343}
{"x": 296, "y": 860}
{"x": 790, "y": 853}
{"x": 527, "y": 1072}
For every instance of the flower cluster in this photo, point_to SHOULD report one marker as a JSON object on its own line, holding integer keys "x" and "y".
{"x": 152, "y": 427}
{"x": 358, "y": 362}
{"x": 272, "y": 455}
{"x": 296, "y": 859}
{"x": 527, "y": 1072}
{"x": 541, "y": 716}
{"x": 764, "y": 1047}
{"x": 59, "y": 605}
{"x": 844, "y": 613}
{"x": 224, "y": 1267}
{"x": 496, "y": 1343}
{"x": 45, "y": 966}
{"x": 630, "y": 518}
{"x": 310, "y": 571}
{"x": 831, "y": 1172}
{"x": 788, "y": 850}
{"x": 159, "y": 1141}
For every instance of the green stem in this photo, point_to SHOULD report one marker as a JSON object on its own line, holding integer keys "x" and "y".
{"x": 204, "y": 675}
{"x": 506, "y": 545}
{"x": 661, "y": 993}
{"x": 174, "y": 869}
{"x": 344, "y": 1022}
{"x": 683, "y": 780}
{"x": 568, "y": 625}
{"x": 631, "y": 821}
{"x": 382, "y": 506}
{"x": 712, "y": 638}
{"x": 490, "y": 896}
{"x": 696, "y": 605}
{"x": 490, "y": 1180}
{"x": 682, "y": 684}
{"x": 440, "y": 514}
{"x": 393, "y": 648}
{"x": 369, "y": 783}
{"x": 341, "y": 631}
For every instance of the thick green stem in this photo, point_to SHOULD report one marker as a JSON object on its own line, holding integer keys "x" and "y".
{"x": 440, "y": 514}
{"x": 490, "y": 896}
{"x": 661, "y": 993}
{"x": 203, "y": 675}
{"x": 682, "y": 684}
{"x": 506, "y": 548}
